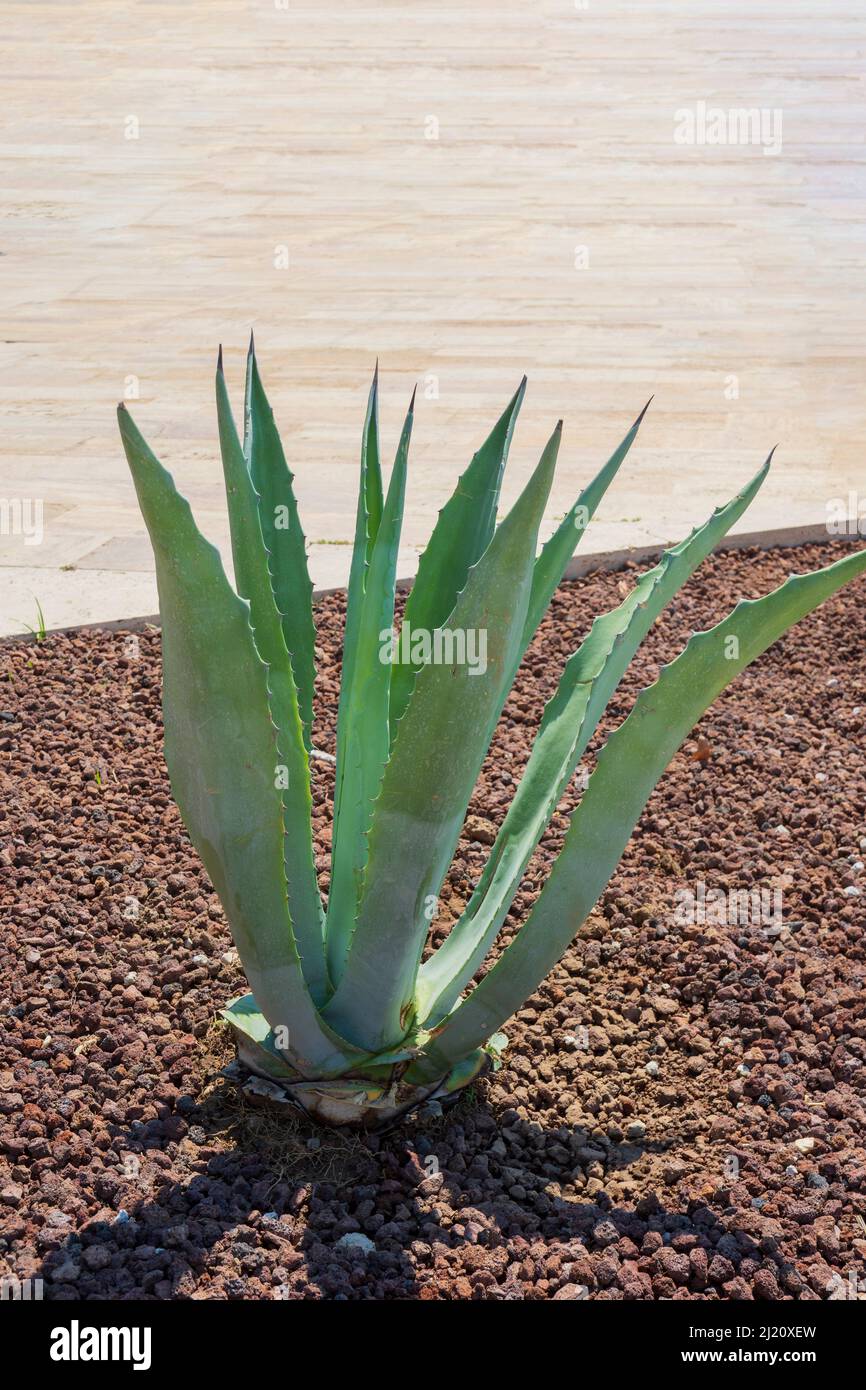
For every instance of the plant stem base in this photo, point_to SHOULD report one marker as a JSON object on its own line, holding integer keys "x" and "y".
{"x": 352, "y": 1102}
{"x": 349, "y": 1104}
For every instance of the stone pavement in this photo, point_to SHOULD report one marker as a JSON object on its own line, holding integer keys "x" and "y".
{"x": 468, "y": 192}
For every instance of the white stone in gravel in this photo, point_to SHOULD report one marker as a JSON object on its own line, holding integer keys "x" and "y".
{"x": 355, "y": 1240}
{"x": 804, "y": 1145}
{"x": 852, "y": 892}
{"x": 652, "y": 1068}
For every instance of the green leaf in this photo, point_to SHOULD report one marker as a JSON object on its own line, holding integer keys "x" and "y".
{"x": 570, "y": 719}
{"x": 255, "y": 1041}
{"x": 367, "y": 520}
{"x": 365, "y": 721}
{"x": 220, "y": 749}
{"x": 368, "y": 516}
{"x": 290, "y": 766}
{"x": 367, "y": 524}
{"x": 462, "y": 533}
{"x": 440, "y": 745}
{"x": 283, "y": 539}
{"x": 558, "y": 550}
{"x": 628, "y": 769}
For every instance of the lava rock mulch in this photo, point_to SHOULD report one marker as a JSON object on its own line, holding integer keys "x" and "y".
{"x": 681, "y": 1110}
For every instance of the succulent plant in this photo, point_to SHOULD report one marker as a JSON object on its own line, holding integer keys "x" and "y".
{"x": 345, "y": 1016}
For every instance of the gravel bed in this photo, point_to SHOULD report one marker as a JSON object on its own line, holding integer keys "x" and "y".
{"x": 681, "y": 1110}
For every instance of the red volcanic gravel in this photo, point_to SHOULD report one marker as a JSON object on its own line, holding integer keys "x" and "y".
{"x": 681, "y": 1110}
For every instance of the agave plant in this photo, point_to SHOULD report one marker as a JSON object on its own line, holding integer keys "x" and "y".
{"x": 345, "y": 1015}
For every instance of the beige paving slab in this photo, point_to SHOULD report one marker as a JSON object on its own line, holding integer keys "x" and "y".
{"x": 467, "y": 192}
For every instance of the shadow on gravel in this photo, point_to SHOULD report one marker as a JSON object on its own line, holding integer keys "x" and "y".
{"x": 262, "y": 1217}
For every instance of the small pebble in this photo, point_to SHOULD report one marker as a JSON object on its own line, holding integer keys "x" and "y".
{"x": 817, "y": 1181}
{"x": 356, "y": 1240}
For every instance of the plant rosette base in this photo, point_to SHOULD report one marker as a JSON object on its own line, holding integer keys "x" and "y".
{"x": 353, "y": 1100}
